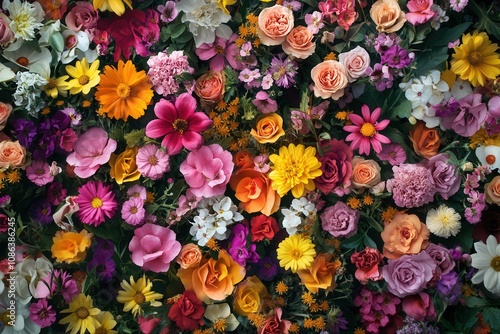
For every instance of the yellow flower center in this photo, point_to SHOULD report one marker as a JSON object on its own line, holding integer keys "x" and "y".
{"x": 23, "y": 61}
{"x": 495, "y": 263}
{"x": 219, "y": 49}
{"x": 139, "y": 298}
{"x": 83, "y": 79}
{"x": 82, "y": 313}
{"x": 101, "y": 330}
{"x": 133, "y": 210}
{"x": 368, "y": 130}
{"x": 96, "y": 202}
{"x": 220, "y": 325}
{"x": 296, "y": 254}
{"x": 57, "y": 4}
{"x": 153, "y": 160}
{"x": 51, "y": 83}
{"x": 475, "y": 58}
{"x": 180, "y": 125}
{"x": 123, "y": 90}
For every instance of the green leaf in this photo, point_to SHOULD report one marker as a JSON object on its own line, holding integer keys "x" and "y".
{"x": 353, "y": 242}
{"x": 339, "y": 47}
{"x": 433, "y": 59}
{"x": 177, "y": 31}
{"x": 492, "y": 317}
{"x": 401, "y": 110}
{"x": 476, "y": 302}
{"x": 444, "y": 36}
{"x": 369, "y": 242}
{"x": 485, "y": 20}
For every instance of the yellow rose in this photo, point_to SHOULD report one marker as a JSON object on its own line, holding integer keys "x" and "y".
{"x": 124, "y": 167}
{"x": 70, "y": 247}
{"x": 248, "y": 295}
{"x": 269, "y": 129}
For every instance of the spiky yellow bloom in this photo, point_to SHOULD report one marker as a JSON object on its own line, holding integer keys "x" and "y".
{"x": 308, "y": 299}
{"x": 359, "y": 331}
{"x": 135, "y": 294}
{"x": 84, "y": 76}
{"x": 56, "y": 86}
{"x": 115, "y": 6}
{"x": 354, "y": 203}
{"x": 294, "y": 168}
{"x": 475, "y": 59}
{"x": 388, "y": 214}
{"x": 82, "y": 315}
{"x": 296, "y": 252}
{"x": 13, "y": 176}
{"x": 281, "y": 288}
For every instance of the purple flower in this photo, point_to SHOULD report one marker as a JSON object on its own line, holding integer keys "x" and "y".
{"x": 55, "y": 282}
{"x": 169, "y": 12}
{"x": 469, "y": 117}
{"x": 449, "y": 288}
{"x": 104, "y": 247}
{"x": 340, "y": 220}
{"x": 283, "y": 71}
{"x": 41, "y": 212}
{"x": 383, "y": 42}
{"x": 380, "y": 76}
{"x": 447, "y": 108}
{"x": 42, "y": 314}
{"x": 56, "y": 193}
{"x": 393, "y": 153}
{"x": 445, "y": 175}
{"x": 25, "y": 131}
{"x": 133, "y": 211}
{"x": 264, "y": 103}
{"x": 104, "y": 266}
{"x": 44, "y": 147}
{"x": 441, "y": 257}
{"x": 397, "y": 57}
{"x": 412, "y": 185}
{"x": 267, "y": 268}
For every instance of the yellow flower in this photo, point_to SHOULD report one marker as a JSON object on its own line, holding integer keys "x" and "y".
{"x": 84, "y": 77}
{"x": 57, "y": 86}
{"x": 224, "y": 3}
{"x": 475, "y": 59}
{"x": 134, "y": 294}
{"x": 107, "y": 323}
{"x": 70, "y": 247}
{"x": 296, "y": 252}
{"x": 124, "y": 167}
{"x": 294, "y": 168}
{"x": 115, "y": 6}
{"x": 82, "y": 315}
{"x": 123, "y": 91}
{"x": 248, "y": 296}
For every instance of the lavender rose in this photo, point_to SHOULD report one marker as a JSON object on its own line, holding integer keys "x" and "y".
{"x": 340, "y": 220}
{"x": 445, "y": 175}
{"x": 469, "y": 117}
{"x": 336, "y": 167}
{"x": 441, "y": 257}
{"x": 408, "y": 274}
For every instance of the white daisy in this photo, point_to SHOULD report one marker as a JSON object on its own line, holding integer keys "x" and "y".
{"x": 487, "y": 260}
{"x": 443, "y": 221}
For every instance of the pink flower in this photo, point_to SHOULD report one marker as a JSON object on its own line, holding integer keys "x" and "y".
{"x": 153, "y": 247}
{"x": 165, "y": 68}
{"x": 264, "y": 103}
{"x": 42, "y": 314}
{"x": 39, "y": 173}
{"x": 65, "y": 211}
{"x": 419, "y": 307}
{"x": 82, "y": 16}
{"x": 180, "y": 124}
{"x": 92, "y": 150}
{"x": 367, "y": 264}
{"x": 96, "y": 202}
{"x": 419, "y": 11}
{"x": 364, "y": 132}
{"x": 208, "y": 170}
{"x": 152, "y": 161}
{"x": 137, "y": 191}
{"x": 220, "y": 53}
{"x": 133, "y": 211}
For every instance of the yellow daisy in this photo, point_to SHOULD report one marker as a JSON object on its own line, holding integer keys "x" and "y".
{"x": 82, "y": 315}
{"x": 134, "y": 294}
{"x": 57, "y": 86}
{"x": 296, "y": 252}
{"x": 84, "y": 76}
{"x": 115, "y": 6}
{"x": 107, "y": 323}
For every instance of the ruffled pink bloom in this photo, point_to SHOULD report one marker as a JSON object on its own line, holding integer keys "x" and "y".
{"x": 42, "y": 314}
{"x": 264, "y": 103}
{"x": 39, "y": 173}
{"x": 180, "y": 124}
{"x": 221, "y": 52}
{"x": 97, "y": 202}
{"x": 92, "y": 150}
{"x": 152, "y": 161}
{"x": 133, "y": 211}
{"x": 419, "y": 11}
{"x": 153, "y": 247}
{"x": 365, "y": 131}
{"x": 208, "y": 170}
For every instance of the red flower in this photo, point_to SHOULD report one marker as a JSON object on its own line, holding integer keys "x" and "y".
{"x": 263, "y": 227}
{"x": 274, "y": 324}
{"x": 187, "y": 312}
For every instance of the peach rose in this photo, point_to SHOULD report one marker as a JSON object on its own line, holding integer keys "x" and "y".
{"x": 210, "y": 87}
{"x": 425, "y": 141}
{"x": 254, "y": 191}
{"x": 12, "y": 154}
{"x": 5, "y": 111}
{"x": 330, "y": 79}
{"x": 248, "y": 296}
{"x": 321, "y": 273}
{"x": 274, "y": 24}
{"x": 492, "y": 191}
{"x": 299, "y": 43}
{"x": 70, "y": 247}
{"x": 404, "y": 234}
{"x": 213, "y": 279}
{"x": 189, "y": 256}
{"x": 365, "y": 173}
{"x": 356, "y": 61}
{"x": 269, "y": 129}
{"x": 387, "y": 15}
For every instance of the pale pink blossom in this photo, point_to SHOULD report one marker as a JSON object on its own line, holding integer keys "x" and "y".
{"x": 152, "y": 161}
{"x": 39, "y": 173}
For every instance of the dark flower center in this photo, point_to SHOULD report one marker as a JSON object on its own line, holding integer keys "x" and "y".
{"x": 180, "y": 125}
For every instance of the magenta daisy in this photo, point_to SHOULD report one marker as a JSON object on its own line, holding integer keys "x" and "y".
{"x": 133, "y": 211}
{"x": 152, "y": 161}
{"x": 180, "y": 124}
{"x": 42, "y": 314}
{"x": 96, "y": 202}
{"x": 365, "y": 131}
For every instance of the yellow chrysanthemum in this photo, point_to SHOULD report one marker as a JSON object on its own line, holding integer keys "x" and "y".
{"x": 123, "y": 91}
{"x": 115, "y": 6}
{"x": 475, "y": 59}
{"x": 84, "y": 76}
{"x": 294, "y": 168}
{"x": 296, "y": 252}
{"x": 82, "y": 315}
{"x": 57, "y": 86}
{"x": 134, "y": 294}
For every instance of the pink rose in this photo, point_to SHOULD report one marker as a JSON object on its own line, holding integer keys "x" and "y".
{"x": 356, "y": 62}
{"x": 5, "y": 111}
{"x": 274, "y": 324}
{"x": 299, "y": 43}
{"x": 12, "y": 154}
{"x": 274, "y": 24}
{"x": 330, "y": 79}
{"x": 208, "y": 170}
{"x": 367, "y": 264}
{"x": 419, "y": 11}
{"x": 153, "y": 247}
{"x": 82, "y": 16}
{"x": 336, "y": 167}
{"x": 419, "y": 307}
{"x": 6, "y": 34}
{"x": 340, "y": 220}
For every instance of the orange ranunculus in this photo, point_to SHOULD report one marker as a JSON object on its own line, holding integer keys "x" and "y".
{"x": 425, "y": 141}
{"x": 124, "y": 166}
{"x": 254, "y": 191}
{"x": 321, "y": 274}
{"x": 269, "y": 129}
{"x": 189, "y": 256}
{"x": 404, "y": 234}
{"x": 248, "y": 296}
{"x": 213, "y": 279}
{"x": 70, "y": 247}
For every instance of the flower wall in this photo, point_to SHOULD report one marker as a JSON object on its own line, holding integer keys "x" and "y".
{"x": 203, "y": 166}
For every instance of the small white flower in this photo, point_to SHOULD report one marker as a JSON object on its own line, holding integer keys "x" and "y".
{"x": 487, "y": 260}
{"x": 291, "y": 221}
{"x": 303, "y": 206}
{"x": 443, "y": 221}
{"x": 29, "y": 272}
{"x": 460, "y": 89}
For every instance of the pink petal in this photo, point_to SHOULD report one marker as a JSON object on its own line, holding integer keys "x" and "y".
{"x": 382, "y": 124}
{"x": 157, "y": 128}
{"x": 165, "y": 110}
{"x": 365, "y": 111}
{"x": 352, "y": 128}
{"x": 217, "y": 63}
{"x": 381, "y": 138}
{"x": 172, "y": 142}
{"x": 199, "y": 122}
{"x": 365, "y": 146}
{"x": 375, "y": 115}
{"x": 192, "y": 140}
{"x": 356, "y": 119}
{"x": 185, "y": 105}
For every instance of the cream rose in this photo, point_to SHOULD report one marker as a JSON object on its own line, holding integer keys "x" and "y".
{"x": 274, "y": 24}
{"x": 330, "y": 79}
{"x": 5, "y": 111}
{"x": 299, "y": 43}
{"x": 356, "y": 62}
{"x": 387, "y": 15}
{"x": 12, "y": 154}
{"x": 365, "y": 173}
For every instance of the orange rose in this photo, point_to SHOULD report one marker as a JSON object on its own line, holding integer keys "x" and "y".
{"x": 248, "y": 296}
{"x": 12, "y": 154}
{"x": 269, "y": 129}
{"x": 70, "y": 247}
{"x": 330, "y": 79}
{"x": 387, "y": 15}
{"x": 492, "y": 191}
{"x": 299, "y": 43}
{"x": 274, "y": 24}
{"x": 5, "y": 111}
{"x": 365, "y": 173}
{"x": 404, "y": 234}
{"x": 255, "y": 192}
{"x": 124, "y": 167}
{"x": 321, "y": 274}
{"x": 213, "y": 279}
{"x": 210, "y": 87}
{"x": 189, "y": 256}
{"x": 425, "y": 141}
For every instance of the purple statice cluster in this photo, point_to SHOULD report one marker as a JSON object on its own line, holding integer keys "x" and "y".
{"x": 102, "y": 260}
{"x": 240, "y": 250}
{"x": 377, "y": 309}
{"x": 164, "y": 70}
{"x": 475, "y": 198}
{"x": 417, "y": 327}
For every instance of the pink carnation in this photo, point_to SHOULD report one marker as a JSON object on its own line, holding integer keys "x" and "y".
{"x": 208, "y": 170}
{"x": 419, "y": 11}
{"x": 163, "y": 69}
{"x": 412, "y": 185}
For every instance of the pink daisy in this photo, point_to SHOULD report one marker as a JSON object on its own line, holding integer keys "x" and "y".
{"x": 365, "y": 131}
{"x": 133, "y": 211}
{"x": 39, "y": 173}
{"x": 137, "y": 191}
{"x": 42, "y": 314}
{"x": 96, "y": 202}
{"x": 180, "y": 124}
{"x": 394, "y": 153}
{"x": 152, "y": 161}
